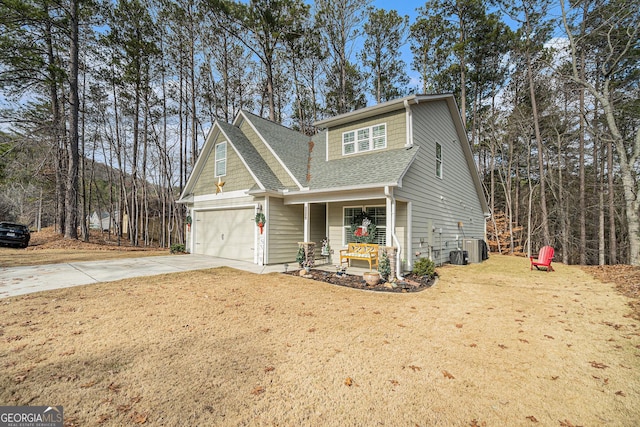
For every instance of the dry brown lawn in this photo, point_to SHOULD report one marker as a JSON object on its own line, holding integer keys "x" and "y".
{"x": 490, "y": 344}
{"x": 48, "y": 247}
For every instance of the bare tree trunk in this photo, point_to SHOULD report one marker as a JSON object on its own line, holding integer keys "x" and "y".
{"x": 536, "y": 126}
{"x": 601, "y": 222}
{"x": 71, "y": 194}
{"x": 582, "y": 247}
{"x": 529, "y": 205}
{"x": 613, "y": 247}
{"x": 86, "y": 203}
{"x": 564, "y": 221}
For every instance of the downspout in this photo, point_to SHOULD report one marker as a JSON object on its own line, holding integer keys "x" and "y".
{"x": 409, "y": 125}
{"x": 396, "y": 241}
{"x": 306, "y": 222}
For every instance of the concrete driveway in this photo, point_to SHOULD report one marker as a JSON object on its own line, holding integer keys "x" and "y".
{"x": 24, "y": 280}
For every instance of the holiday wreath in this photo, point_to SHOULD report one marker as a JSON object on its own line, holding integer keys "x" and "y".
{"x": 260, "y": 221}
{"x": 363, "y": 228}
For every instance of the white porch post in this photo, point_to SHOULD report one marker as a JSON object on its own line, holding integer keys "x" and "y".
{"x": 307, "y": 233}
{"x": 390, "y": 221}
{"x": 391, "y": 229}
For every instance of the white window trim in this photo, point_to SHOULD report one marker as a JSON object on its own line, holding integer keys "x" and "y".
{"x": 364, "y": 208}
{"x": 216, "y": 160}
{"x": 439, "y": 170}
{"x": 356, "y": 149}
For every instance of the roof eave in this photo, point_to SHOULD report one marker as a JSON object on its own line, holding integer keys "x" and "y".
{"x": 384, "y": 107}
{"x": 306, "y": 190}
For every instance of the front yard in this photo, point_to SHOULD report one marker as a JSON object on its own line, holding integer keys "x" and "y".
{"x": 490, "y": 344}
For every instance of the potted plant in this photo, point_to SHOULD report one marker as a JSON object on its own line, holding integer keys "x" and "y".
{"x": 371, "y": 277}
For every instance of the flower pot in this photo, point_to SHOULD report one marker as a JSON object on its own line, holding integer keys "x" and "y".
{"x": 372, "y": 278}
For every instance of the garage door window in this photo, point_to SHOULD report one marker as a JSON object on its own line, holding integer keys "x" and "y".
{"x": 221, "y": 159}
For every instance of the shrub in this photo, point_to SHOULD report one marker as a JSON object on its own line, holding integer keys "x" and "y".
{"x": 424, "y": 267}
{"x": 177, "y": 248}
{"x": 300, "y": 257}
{"x": 384, "y": 266}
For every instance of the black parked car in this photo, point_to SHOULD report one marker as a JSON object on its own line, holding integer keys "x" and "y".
{"x": 12, "y": 234}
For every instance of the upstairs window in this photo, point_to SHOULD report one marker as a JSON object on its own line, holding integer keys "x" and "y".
{"x": 221, "y": 159}
{"x": 364, "y": 139}
{"x": 438, "y": 160}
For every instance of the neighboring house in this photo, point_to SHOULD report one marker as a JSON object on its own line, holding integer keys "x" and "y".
{"x": 406, "y": 163}
{"x": 104, "y": 221}
{"x": 100, "y": 221}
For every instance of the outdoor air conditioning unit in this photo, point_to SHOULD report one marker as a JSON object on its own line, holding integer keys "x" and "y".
{"x": 458, "y": 257}
{"x": 474, "y": 248}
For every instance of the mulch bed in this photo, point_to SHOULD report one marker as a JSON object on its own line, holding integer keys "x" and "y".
{"x": 410, "y": 282}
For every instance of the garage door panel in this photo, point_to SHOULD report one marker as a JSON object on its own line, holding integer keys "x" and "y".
{"x": 225, "y": 233}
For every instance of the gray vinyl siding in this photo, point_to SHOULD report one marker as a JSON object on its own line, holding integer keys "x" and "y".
{"x": 402, "y": 232}
{"x": 286, "y": 229}
{"x": 440, "y": 203}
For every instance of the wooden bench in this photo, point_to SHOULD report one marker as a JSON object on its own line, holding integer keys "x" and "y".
{"x": 361, "y": 251}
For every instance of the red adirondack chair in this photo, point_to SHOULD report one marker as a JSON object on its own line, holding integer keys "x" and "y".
{"x": 544, "y": 259}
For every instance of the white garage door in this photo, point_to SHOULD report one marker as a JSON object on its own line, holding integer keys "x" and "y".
{"x": 225, "y": 234}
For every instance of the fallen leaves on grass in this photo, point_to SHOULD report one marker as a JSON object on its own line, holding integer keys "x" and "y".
{"x": 448, "y": 375}
{"x": 258, "y": 390}
{"x": 626, "y": 278}
{"x": 567, "y": 423}
{"x": 139, "y": 418}
{"x": 532, "y": 419}
{"x": 598, "y": 365}
{"x": 103, "y": 418}
{"x": 348, "y": 382}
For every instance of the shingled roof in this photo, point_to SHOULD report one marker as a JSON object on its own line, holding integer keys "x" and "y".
{"x": 369, "y": 170}
{"x": 289, "y": 146}
{"x": 292, "y": 149}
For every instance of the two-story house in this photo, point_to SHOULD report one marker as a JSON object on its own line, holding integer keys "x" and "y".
{"x": 406, "y": 163}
